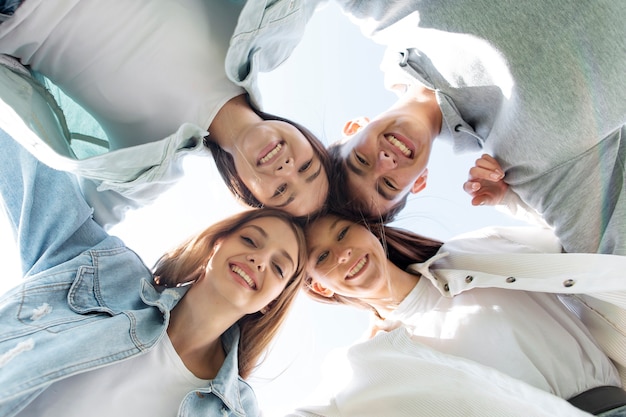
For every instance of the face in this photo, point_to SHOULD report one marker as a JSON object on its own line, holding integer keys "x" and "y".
{"x": 279, "y": 166}
{"x": 252, "y": 266}
{"x": 345, "y": 258}
{"x": 386, "y": 158}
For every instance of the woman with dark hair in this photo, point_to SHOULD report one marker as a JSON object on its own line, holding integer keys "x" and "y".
{"x": 495, "y": 298}
{"x": 90, "y": 317}
{"x": 158, "y": 69}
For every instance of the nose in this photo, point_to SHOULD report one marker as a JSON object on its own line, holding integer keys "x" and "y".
{"x": 344, "y": 255}
{"x": 386, "y": 161}
{"x": 285, "y": 167}
{"x": 258, "y": 261}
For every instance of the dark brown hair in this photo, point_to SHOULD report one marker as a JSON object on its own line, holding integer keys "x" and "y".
{"x": 402, "y": 248}
{"x": 226, "y": 164}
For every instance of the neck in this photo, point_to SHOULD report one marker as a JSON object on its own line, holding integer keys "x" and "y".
{"x": 196, "y": 333}
{"x": 231, "y": 121}
{"x": 423, "y": 102}
{"x": 401, "y": 283}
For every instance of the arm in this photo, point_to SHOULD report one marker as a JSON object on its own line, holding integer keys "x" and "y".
{"x": 49, "y": 216}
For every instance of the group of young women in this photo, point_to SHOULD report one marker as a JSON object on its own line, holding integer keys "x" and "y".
{"x": 165, "y": 79}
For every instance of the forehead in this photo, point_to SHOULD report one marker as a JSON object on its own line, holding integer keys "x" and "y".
{"x": 320, "y": 227}
{"x": 272, "y": 227}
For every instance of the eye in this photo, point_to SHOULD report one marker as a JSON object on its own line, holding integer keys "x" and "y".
{"x": 280, "y": 190}
{"x": 306, "y": 165}
{"x": 360, "y": 159}
{"x": 321, "y": 258}
{"x": 389, "y": 184}
{"x": 279, "y": 270}
{"x": 248, "y": 241}
{"x": 342, "y": 233}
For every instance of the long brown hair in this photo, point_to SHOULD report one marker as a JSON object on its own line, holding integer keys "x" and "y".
{"x": 402, "y": 248}
{"x": 226, "y": 164}
{"x": 183, "y": 264}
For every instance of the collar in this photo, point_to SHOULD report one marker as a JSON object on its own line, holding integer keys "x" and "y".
{"x": 454, "y": 128}
{"x": 226, "y": 384}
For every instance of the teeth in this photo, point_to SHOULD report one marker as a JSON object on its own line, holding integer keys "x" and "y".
{"x": 271, "y": 153}
{"x": 243, "y": 275}
{"x": 401, "y": 146}
{"x": 357, "y": 267}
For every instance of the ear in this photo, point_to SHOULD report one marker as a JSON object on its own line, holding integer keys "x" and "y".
{"x": 354, "y": 125}
{"x": 420, "y": 182}
{"x": 321, "y": 290}
{"x": 264, "y": 310}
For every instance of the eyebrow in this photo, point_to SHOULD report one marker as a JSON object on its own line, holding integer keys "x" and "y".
{"x": 361, "y": 173}
{"x": 287, "y": 202}
{"x": 332, "y": 226}
{"x": 292, "y": 197}
{"x": 259, "y": 229}
{"x": 383, "y": 194}
{"x": 354, "y": 168}
{"x": 288, "y": 257}
{"x": 315, "y": 174}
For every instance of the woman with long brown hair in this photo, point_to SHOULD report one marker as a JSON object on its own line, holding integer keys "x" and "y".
{"x": 91, "y": 330}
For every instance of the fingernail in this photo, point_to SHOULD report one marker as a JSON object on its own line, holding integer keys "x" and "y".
{"x": 495, "y": 176}
{"x": 475, "y": 186}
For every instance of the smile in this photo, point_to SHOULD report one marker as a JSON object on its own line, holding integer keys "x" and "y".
{"x": 398, "y": 144}
{"x": 244, "y": 276}
{"x": 271, "y": 154}
{"x": 358, "y": 267}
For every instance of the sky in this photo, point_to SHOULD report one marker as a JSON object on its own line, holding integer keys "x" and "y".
{"x": 332, "y": 76}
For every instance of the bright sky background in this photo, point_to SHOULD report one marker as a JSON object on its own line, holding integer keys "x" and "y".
{"x": 332, "y": 76}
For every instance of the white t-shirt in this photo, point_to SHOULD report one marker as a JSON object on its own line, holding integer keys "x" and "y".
{"x": 530, "y": 336}
{"x": 150, "y": 385}
{"x": 140, "y": 67}
{"x": 394, "y": 376}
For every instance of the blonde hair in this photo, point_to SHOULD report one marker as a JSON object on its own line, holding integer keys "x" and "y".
{"x": 183, "y": 264}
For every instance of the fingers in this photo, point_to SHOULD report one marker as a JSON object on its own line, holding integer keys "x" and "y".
{"x": 486, "y": 168}
{"x": 486, "y": 182}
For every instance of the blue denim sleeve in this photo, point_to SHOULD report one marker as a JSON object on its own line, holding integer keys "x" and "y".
{"x": 8, "y": 7}
{"x": 52, "y": 223}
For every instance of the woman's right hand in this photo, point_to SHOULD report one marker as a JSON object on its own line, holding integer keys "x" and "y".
{"x": 486, "y": 182}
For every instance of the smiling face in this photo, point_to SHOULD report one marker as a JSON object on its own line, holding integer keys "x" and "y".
{"x": 386, "y": 159}
{"x": 251, "y": 267}
{"x": 346, "y": 259}
{"x": 279, "y": 166}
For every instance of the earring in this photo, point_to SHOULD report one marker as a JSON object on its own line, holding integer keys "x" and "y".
{"x": 264, "y": 310}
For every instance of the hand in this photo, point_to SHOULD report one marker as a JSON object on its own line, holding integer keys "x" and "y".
{"x": 486, "y": 182}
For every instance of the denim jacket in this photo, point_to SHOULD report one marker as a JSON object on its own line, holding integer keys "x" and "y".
{"x": 114, "y": 182}
{"x": 266, "y": 34}
{"x": 87, "y": 313}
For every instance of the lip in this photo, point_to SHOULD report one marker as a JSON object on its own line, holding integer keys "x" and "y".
{"x": 267, "y": 150}
{"x": 402, "y": 139}
{"x": 239, "y": 279}
{"x": 363, "y": 259}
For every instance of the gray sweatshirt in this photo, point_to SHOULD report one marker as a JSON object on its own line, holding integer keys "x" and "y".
{"x": 539, "y": 85}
